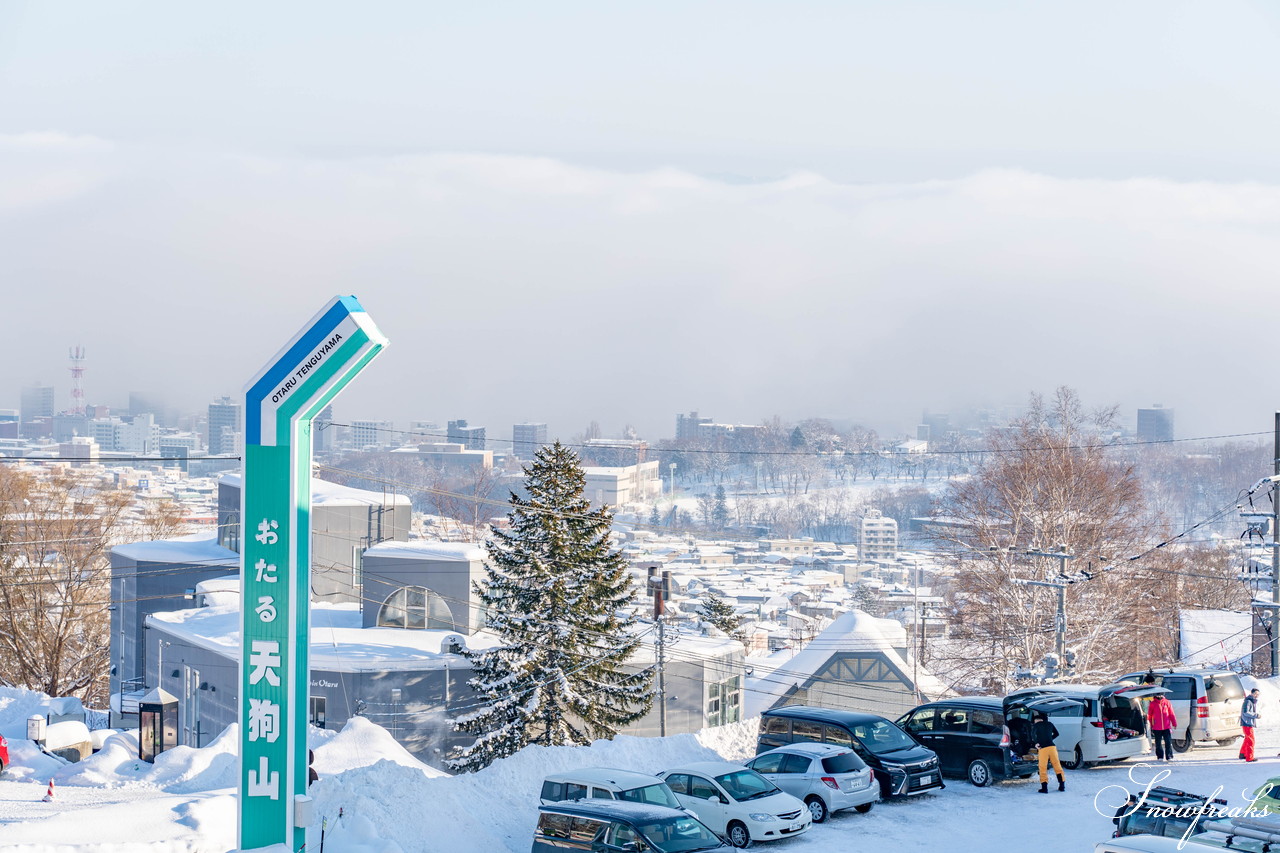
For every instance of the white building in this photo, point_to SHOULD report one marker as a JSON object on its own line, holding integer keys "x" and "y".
{"x": 450, "y": 456}
{"x": 879, "y": 537}
{"x": 623, "y": 485}
{"x": 371, "y": 434}
{"x": 81, "y": 448}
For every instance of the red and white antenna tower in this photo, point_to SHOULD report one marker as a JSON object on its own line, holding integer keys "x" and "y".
{"x": 77, "y": 373}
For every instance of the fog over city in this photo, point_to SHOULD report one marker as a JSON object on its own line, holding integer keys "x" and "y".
{"x": 548, "y": 228}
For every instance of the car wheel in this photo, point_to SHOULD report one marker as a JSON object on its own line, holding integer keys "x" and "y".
{"x": 979, "y": 773}
{"x": 1076, "y": 761}
{"x": 1228, "y": 741}
{"x": 864, "y": 808}
{"x": 817, "y": 809}
{"x": 1183, "y": 744}
{"x": 738, "y": 835}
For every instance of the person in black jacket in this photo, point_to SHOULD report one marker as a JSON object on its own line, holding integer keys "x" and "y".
{"x": 1043, "y": 734}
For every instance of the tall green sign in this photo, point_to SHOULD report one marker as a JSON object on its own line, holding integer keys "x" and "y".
{"x": 275, "y": 562}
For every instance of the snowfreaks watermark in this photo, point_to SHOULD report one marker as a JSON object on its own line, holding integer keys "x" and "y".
{"x": 1194, "y": 811}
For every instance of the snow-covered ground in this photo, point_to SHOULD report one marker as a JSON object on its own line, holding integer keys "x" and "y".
{"x": 390, "y": 802}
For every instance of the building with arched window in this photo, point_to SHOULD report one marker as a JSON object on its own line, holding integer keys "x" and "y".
{"x": 422, "y": 585}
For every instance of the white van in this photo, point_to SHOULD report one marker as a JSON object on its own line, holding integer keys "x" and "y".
{"x": 1206, "y": 703}
{"x": 1100, "y": 723}
{"x": 603, "y": 783}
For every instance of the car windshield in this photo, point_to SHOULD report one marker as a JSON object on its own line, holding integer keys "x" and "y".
{"x": 745, "y": 785}
{"x": 658, "y": 795}
{"x": 679, "y": 835}
{"x": 882, "y": 736}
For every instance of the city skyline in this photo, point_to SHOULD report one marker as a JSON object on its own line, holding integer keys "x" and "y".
{"x": 1148, "y": 423}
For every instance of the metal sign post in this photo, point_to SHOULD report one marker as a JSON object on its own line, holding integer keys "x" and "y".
{"x": 275, "y": 562}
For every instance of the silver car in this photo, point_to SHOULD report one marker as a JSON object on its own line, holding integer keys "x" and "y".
{"x": 828, "y": 778}
{"x": 1206, "y": 703}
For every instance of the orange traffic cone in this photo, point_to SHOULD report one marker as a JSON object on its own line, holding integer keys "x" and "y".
{"x": 48, "y": 795}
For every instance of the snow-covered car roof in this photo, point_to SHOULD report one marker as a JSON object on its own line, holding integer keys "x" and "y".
{"x": 605, "y": 775}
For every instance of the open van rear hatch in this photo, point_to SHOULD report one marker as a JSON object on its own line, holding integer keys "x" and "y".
{"x": 1046, "y": 702}
{"x": 1131, "y": 691}
{"x": 1020, "y": 727}
{"x": 1122, "y": 714}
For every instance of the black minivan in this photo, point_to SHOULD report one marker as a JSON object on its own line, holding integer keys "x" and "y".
{"x": 972, "y": 737}
{"x": 903, "y": 766}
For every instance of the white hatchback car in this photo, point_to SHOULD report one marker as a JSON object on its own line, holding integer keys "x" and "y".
{"x": 737, "y": 802}
{"x": 826, "y": 777}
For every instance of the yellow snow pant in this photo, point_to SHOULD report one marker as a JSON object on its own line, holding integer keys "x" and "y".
{"x": 1047, "y": 754}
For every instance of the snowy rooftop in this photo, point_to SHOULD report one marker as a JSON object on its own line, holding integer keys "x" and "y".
{"x": 690, "y": 646}
{"x": 338, "y": 643}
{"x": 217, "y": 591}
{"x": 423, "y": 549}
{"x": 1215, "y": 637}
{"x": 196, "y": 548}
{"x": 850, "y": 632}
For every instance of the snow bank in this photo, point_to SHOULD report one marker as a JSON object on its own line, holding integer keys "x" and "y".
{"x": 180, "y": 770}
{"x": 28, "y": 764}
{"x": 498, "y": 806}
{"x": 359, "y": 744}
{"x": 16, "y": 704}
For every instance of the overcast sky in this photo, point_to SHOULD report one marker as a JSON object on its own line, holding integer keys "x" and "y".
{"x": 572, "y": 211}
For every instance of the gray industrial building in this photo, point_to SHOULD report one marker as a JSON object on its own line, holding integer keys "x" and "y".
{"x": 344, "y": 522}
{"x": 148, "y": 577}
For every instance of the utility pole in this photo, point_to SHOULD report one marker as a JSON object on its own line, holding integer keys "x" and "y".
{"x": 657, "y": 585}
{"x": 1269, "y": 612}
{"x": 915, "y": 632}
{"x": 1275, "y": 552}
{"x": 1060, "y": 622}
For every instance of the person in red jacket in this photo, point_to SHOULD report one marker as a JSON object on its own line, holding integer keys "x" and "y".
{"x": 1162, "y": 720}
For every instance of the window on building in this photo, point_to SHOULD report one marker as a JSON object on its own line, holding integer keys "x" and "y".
{"x": 724, "y": 701}
{"x": 229, "y": 532}
{"x": 317, "y": 715}
{"x": 415, "y": 607}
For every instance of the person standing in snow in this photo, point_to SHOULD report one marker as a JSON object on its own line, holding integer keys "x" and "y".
{"x": 1249, "y": 717}
{"x": 1162, "y": 719}
{"x": 1043, "y": 734}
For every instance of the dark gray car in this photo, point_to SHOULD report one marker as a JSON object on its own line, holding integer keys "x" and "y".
{"x": 611, "y": 826}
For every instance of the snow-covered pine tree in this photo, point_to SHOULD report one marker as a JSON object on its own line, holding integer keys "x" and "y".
{"x": 553, "y": 593}
{"x": 720, "y": 510}
{"x": 721, "y": 614}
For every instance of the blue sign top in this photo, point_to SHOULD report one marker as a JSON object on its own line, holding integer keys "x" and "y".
{"x": 335, "y": 325}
